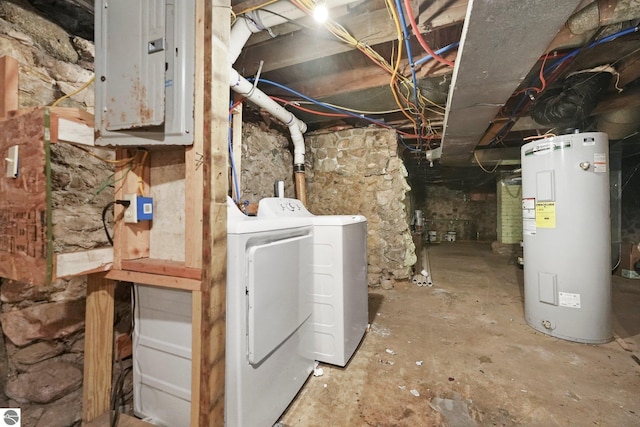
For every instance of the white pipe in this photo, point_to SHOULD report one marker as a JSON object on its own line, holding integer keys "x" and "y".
{"x": 296, "y": 127}
{"x": 260, "y": 20}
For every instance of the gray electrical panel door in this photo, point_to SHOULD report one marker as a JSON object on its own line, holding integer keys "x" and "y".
{"x": 135, "y": 86}
{"x": 144, "y": 72}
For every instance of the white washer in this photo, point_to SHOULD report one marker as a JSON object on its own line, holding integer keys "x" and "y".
{"x": 339, "y": 268}
{"x": 268, "y": 314}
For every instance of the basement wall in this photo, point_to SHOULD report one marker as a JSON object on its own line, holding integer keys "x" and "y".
{"x": 630, "y": 212}
{"x": 472, "y": 215}
{"x": 509, "y": 212}
{"x": 42, "y": 346}
{"x": 358, "y": 171}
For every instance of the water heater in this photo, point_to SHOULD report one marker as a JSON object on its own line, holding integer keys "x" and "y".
{"x": 567, "y": 237}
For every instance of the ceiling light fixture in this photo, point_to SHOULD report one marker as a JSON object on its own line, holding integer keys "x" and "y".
{"x": 321, "y": 13}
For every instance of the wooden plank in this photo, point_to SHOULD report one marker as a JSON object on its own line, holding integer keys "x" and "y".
{"x": 23, "y": 205}
{"x": 214, "y": 130}
{"x": 440, "y": 13}
{"x": 124, "y": 346}
{"x": 77, "y": 263}
{"x": 131, "y": 241}
{"x": 9, "y": 85}
{"x": 162, "y": 267}
{"x": 154, "y": 279}
{"x": 194, "y": 158}
{"x": 72, "y": 131}
{"x": 98, "y": 348}
{"x": 363, "y": 78}
{"x": 375, "y": 27}
{"x": 71, "y": 125}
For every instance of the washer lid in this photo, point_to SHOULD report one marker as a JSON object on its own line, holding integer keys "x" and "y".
{"x": 338, "y": 219}
{"x": 277, "y": 207}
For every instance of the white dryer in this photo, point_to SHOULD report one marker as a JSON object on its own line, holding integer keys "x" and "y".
{"x": 339, "y": 269}
{"x": 268, "y": 314}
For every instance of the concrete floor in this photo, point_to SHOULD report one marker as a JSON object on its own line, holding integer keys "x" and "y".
{"x": 460, "y": 354}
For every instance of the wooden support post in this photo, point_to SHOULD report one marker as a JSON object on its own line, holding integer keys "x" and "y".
{"x": 212, "y": 33}
{"x": 9, "y": 85}
{"x": 98, "y": 348}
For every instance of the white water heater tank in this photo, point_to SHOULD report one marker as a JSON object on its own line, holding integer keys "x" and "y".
{"x": 567, "y": 236}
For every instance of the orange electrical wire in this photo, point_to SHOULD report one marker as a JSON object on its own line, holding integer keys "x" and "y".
{"x": 425, "y": 46}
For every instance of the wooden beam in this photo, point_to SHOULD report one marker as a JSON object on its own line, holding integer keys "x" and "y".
{"x": 440, "y": 13}
{"x": 213, "y": 28}
{"x": 374, "y": 27}
{"x": 162, "y": 267}
{"x": 249, "y": 4}
{"x": 154, "y": 279}
{"x": 85, "y": 262}
{"x": 9, "y": 85}
{"x": 98, "y": 347}
{"x": 194, "y": 158}
{"x": 362, "y": 78}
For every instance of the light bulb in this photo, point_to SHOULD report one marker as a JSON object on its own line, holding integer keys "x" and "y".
{"x": 321, "y": 13}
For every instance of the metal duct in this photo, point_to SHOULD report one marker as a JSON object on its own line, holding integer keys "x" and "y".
{"x": 603, "y": 12}
{"x": 619, "y": 123}
{"x": 501, "y": 41}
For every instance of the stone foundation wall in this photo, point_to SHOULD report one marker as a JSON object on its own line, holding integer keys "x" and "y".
{"x": 265, "y": 158}
{"x": 42, "y": 353}
{"x": 358, "y": 171}
{"x": 472, "y": 215}
{"x": 630, "y": 212}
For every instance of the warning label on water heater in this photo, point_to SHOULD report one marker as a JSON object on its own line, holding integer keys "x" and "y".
{"x": 546, "y": 214}
{"x": 599, "y": 162}
{"x": 529, "y": 216}
{"x": 568, "y": 300}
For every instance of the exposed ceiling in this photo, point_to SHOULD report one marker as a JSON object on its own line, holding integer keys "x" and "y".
{"x": 477, "y": 111}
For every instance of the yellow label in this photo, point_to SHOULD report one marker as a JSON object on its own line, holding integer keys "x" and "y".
{"x": 546, "y": 214}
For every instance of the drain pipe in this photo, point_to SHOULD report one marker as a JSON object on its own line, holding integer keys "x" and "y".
{"x": 261, "y": 20}
{"x": 296, "y": 127}
{"x": 254, "y": 22}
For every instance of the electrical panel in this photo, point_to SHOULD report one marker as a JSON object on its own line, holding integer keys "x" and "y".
{"x": 144, "y": 72}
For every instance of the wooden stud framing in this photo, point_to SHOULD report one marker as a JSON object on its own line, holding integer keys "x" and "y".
{"x": 98, "y": 348}
{"x": 204, "y": 269}
{"x": 9, "y": 85}
{"x": 215, "y": 33}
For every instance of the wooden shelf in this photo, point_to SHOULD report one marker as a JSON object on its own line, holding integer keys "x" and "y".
{"x": 162, "y": 267}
